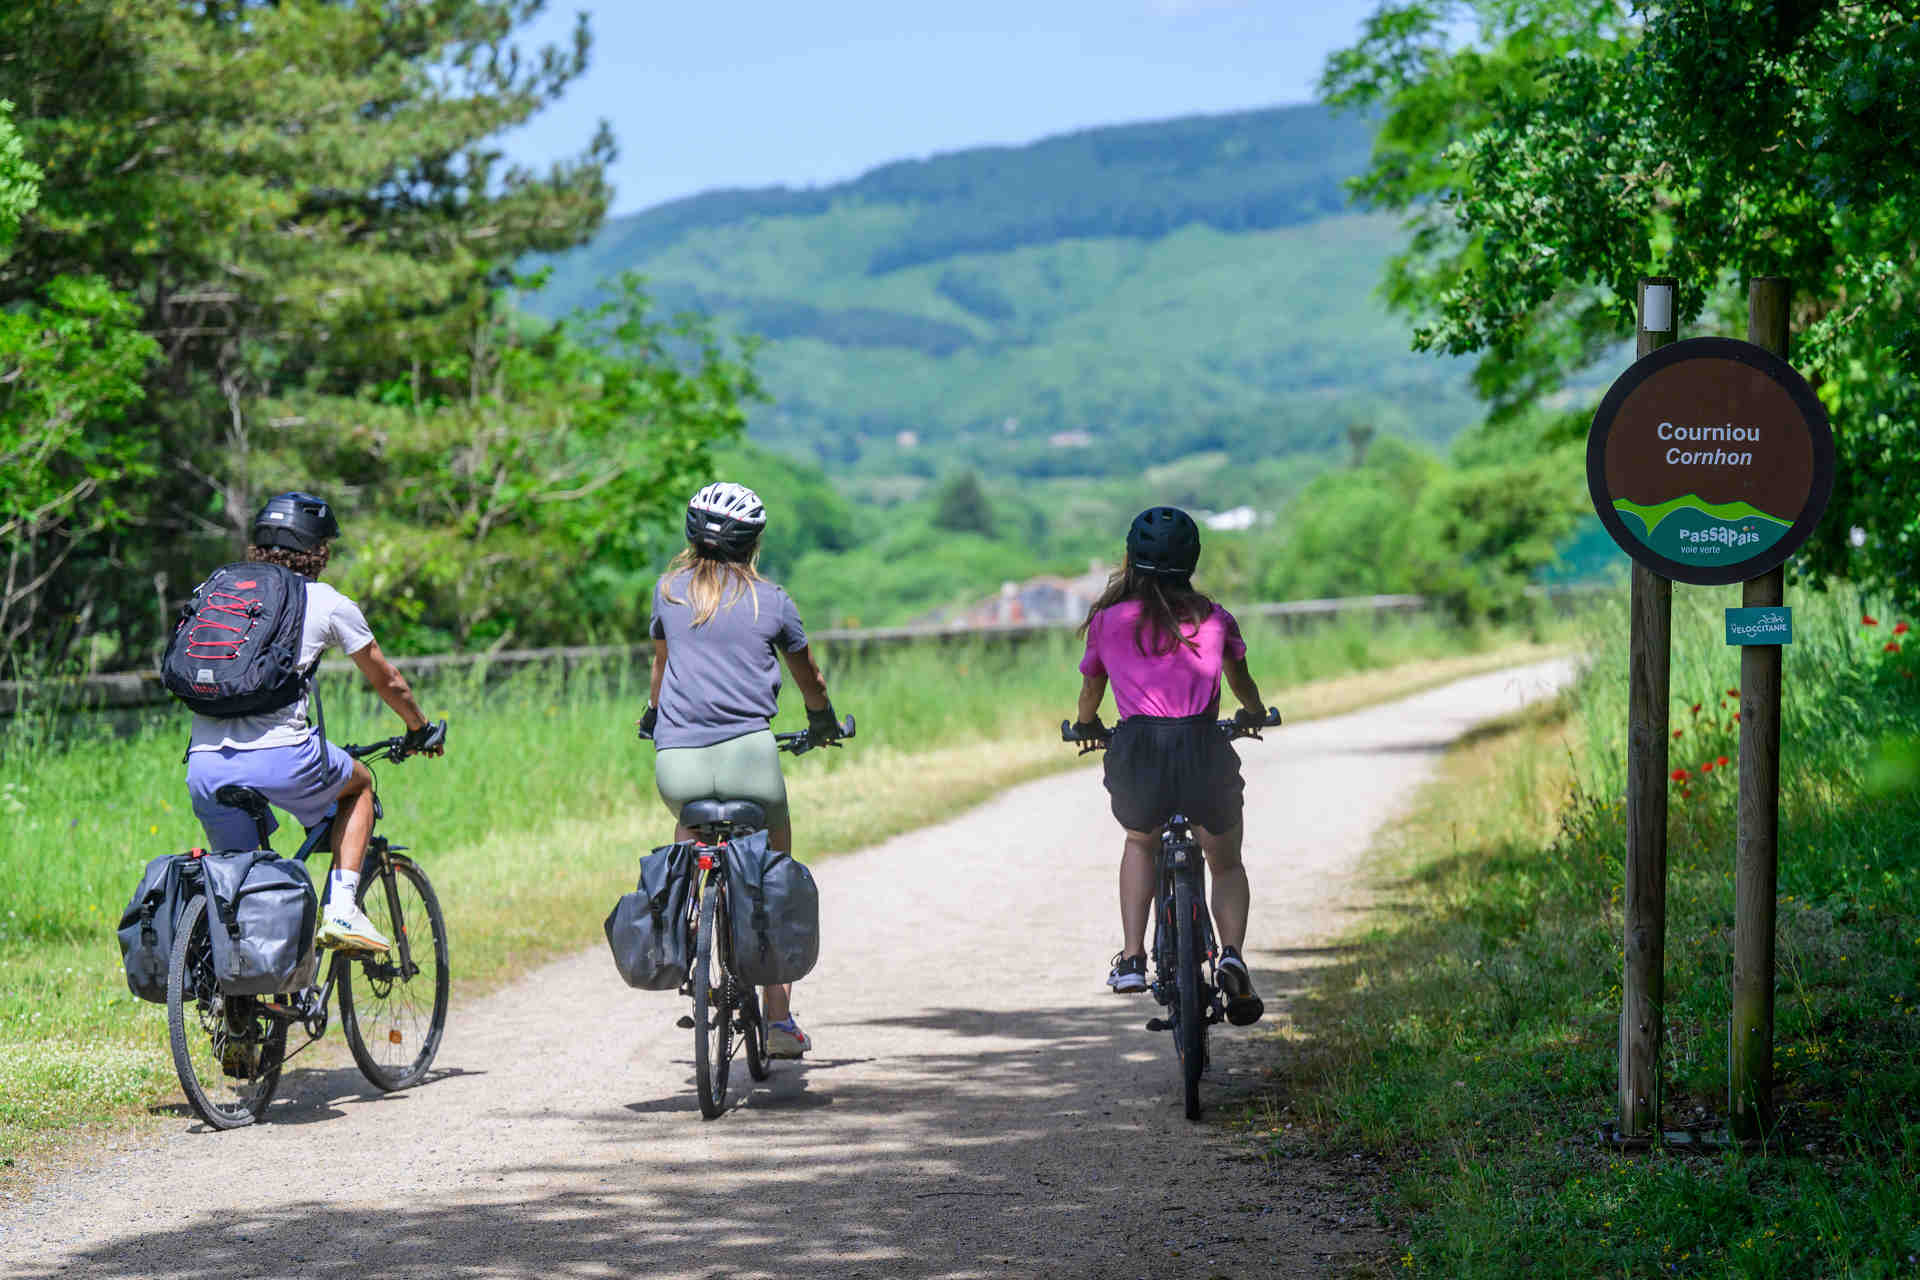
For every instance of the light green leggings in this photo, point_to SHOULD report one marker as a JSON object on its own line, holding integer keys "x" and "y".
{"x": 743, "y": 768}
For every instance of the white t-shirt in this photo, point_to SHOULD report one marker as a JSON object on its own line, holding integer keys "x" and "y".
{"x": 331, "y": 620}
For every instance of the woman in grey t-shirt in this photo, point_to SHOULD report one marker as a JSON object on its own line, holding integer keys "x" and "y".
{"x": 719, "y": 632}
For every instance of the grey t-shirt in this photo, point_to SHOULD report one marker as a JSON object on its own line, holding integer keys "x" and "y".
{"x": 723, "y": 676}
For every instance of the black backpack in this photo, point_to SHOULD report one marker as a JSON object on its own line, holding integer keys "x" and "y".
{"x": 236, "y": 649}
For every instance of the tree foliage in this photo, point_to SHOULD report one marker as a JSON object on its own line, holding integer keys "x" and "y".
{"x": 306, "y": 205}
{"x": 70, "y": 364}
{"x": 1575, "y": 147}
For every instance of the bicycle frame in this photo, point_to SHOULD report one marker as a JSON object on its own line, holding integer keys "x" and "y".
{"x": 1179, "y": 857}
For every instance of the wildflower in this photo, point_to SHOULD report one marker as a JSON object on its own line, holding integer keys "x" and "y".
{"x": 1893, "y": 646}
{"x": 1706, "y": 766}
{"x": 1722, "y": 762}
{"x": 1736, "y": 717}
{"x": 1733, "y": 693}
{"x": 1901, "y": 628}
{"x": 1696, "y": 708}
{"x": 1867, "y": 621}
{"x": 1676, "y": 733}
{"x": 1681, "y": 775}
{"x": 1685, "y": 794}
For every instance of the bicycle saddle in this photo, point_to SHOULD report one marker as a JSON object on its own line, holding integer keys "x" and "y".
{"x": 245, "y": 799}
{"x": 741, "y": 815}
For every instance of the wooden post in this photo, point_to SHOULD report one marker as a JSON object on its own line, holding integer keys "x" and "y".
{"x": 1756, "y": 867}
{"x": 1643, "y": 985}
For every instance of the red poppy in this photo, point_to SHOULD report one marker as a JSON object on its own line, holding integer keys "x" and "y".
{"x": 1736, "y": 716}
{"x": 1733, "y": 693}
{"x": 1901, "y": 628}
{"x": 1685, "y": 794}
{"x": 1678, "y": 732}
{"x": 1696, "y": 708}
{"x": 1866, "y": 621}
{"x": 1893, "y": 646}
{"x": 1681, "y": 775}
{"x": 1722, "y": 762}
{"x": 1706, "y": 766}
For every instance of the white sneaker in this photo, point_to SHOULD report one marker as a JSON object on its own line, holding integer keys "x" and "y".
{"x": 348, "y": 928}
{"x": 787, "y": 1040}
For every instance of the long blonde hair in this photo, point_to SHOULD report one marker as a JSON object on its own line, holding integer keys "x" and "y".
{"x": 713, "y": 584}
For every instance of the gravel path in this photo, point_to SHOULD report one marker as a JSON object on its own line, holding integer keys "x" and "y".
{"x": 977, "y": 1103}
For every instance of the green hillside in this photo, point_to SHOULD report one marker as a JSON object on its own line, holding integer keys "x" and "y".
{"x": 1087, "y": 306}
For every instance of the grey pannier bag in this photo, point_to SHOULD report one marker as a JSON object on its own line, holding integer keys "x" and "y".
{"x": 152, "y": 917}
{"x": 648, "y": 929}
{"x": 775, "y": 912}
{"x": 262, "y": 909}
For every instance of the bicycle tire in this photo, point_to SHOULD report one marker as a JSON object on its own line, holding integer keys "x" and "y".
{"x": 753, "y": 1031}
{"x": 262, "y": 1047}
{"x": 394, "y": 1013}
{"x": 712, "y": 1026}
{"x": 1190, "y": 1027}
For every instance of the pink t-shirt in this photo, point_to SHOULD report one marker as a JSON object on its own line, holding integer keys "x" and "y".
{"x": 1185, "y": 682}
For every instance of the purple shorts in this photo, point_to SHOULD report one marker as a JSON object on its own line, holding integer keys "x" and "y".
{"x": 304, "y": 779}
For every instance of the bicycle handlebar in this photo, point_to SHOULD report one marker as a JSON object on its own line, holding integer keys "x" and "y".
{"x": 396, "y": 747}
{"x": 1232, "y": 728}
{"x": 802, "y": 741}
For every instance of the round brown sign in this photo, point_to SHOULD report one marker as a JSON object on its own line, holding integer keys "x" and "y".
{"x": 1710, "y": 461}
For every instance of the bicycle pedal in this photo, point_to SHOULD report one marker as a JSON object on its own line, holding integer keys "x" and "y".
{"x": 1159, "y": 1024}
{"x": 686, "y": 1022}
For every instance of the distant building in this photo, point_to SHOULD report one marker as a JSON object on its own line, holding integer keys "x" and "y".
{"x": 1037, "y": 600}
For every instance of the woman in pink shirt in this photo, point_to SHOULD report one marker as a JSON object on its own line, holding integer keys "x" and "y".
{"x": 1164, "y": 646}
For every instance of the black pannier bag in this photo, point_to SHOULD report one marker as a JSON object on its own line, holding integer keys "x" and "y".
{"x": 148, "y": 925}
{"x": 236, "y": 649}
{"x": 775, "y": 913}
{"x": 648, "y": 930}
{"x": 263, "y": 910}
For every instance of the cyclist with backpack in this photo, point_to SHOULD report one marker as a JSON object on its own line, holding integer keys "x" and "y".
{"x": 243, "y": 657}
{"x": 1164, "y": 647}
{"x": 719, "y": 631}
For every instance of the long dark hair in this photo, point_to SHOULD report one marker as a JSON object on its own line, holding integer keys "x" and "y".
{"x": 1168, "y": 605}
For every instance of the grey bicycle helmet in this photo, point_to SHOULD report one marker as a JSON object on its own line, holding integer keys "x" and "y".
{"x": 1165, "y": 542}
{"x": 300, "y": 521}
{"x": 726, "y": 519}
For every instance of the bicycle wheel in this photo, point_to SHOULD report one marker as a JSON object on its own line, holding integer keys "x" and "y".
{"x": 226, "y": 1050}
{"x": 1190, "y": 1030}
{"x": 393, "y": 1007}
{"x": 712, "y": 1007}
{"x": 753, "y": 1030}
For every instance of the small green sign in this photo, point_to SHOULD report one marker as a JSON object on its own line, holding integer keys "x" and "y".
{"x": 1771, "y": 625}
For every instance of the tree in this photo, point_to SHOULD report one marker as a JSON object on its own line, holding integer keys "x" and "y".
{"x": 962, "y": 506}
{"x": 305, "y": 204}
{"x": 70, "y": 364}
{"x": 1575, "y": 147}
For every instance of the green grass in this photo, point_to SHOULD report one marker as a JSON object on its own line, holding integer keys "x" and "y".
{"x": 1471, "y": 1039}
{"x": 531, "y": 824}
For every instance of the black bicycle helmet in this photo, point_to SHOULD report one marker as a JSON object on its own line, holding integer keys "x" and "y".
{"x": 300, "y": 521}
{"x": 1165, "y": 542}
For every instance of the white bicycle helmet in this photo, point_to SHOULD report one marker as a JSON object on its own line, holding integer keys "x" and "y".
{"x": 726, "y": 518}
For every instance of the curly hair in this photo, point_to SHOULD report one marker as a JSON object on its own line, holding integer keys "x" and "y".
{"x": 306, "y": 563}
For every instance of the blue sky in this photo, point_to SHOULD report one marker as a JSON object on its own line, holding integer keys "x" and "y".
{"x": 757, "y": 92}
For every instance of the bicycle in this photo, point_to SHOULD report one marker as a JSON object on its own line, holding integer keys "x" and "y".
{"x": 229, "y": 1050}
{"x": 1183, "y": 939}
{"x": 724, "y": 1007}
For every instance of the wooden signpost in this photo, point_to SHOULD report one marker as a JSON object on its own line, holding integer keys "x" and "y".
{"x": 1710, "y": 462}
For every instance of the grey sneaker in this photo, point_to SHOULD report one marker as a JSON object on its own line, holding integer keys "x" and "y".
{"x": 787, "y": 1040}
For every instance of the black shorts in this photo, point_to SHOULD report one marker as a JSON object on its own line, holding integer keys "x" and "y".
{"x": 1157, "y": 767}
